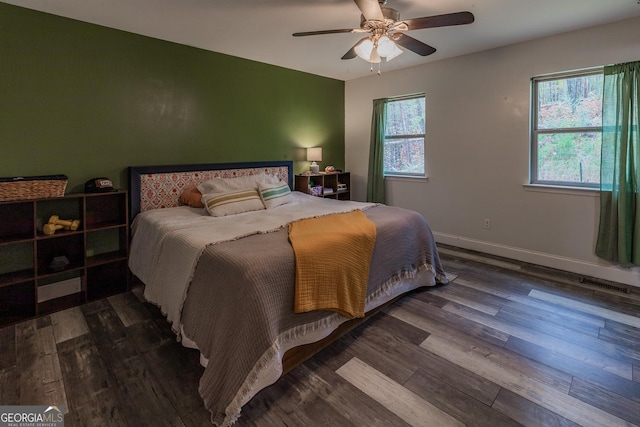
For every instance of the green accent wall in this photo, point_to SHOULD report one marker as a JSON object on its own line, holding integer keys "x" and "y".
{"x": 85, "y": 101}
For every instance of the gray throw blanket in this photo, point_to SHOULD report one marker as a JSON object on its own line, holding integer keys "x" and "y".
{"x": 239, "y": 307}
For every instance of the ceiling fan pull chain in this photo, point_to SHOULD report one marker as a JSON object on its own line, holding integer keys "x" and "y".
{"x": 371, "y": 69}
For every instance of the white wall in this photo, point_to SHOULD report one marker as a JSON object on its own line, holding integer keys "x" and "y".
{"x": 478, "y": 150}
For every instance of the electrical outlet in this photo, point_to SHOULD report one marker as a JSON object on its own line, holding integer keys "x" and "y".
{"x": 487, "y": 224}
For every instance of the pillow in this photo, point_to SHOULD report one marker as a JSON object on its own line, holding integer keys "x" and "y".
{"x": 270, "y": 179}
{"x": 219, "y": 185}
{"x": 232, "y": 202}
{"x": 275, "y": 194}
{"x": 191, "y": 197}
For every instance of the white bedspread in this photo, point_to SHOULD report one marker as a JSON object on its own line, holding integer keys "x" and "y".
{"x": 167, "y": 243}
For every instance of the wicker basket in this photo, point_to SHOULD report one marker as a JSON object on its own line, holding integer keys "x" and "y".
{"x": 32, "y": 187}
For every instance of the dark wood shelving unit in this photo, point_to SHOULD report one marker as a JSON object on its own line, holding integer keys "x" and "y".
{"x": 97, "y": 253}
{"x": 328, "y": 184}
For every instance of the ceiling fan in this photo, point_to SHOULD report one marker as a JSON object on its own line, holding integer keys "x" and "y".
{"x": 387, "y": 31}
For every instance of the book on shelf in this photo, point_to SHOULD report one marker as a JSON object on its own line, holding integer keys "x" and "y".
{"x": 328, "y": 190}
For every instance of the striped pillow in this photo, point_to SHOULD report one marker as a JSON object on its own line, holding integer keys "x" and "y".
{"x": 232, "y": 202}
{"x": 275, "y": 194}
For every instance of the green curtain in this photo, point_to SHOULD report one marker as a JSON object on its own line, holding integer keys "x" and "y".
{"x": 619, "y": 230}
{"x": 375, "y": 178}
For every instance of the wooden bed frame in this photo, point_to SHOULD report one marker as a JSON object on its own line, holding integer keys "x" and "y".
{"x": 154, "y": 187}
{"x": 298, "y": 355}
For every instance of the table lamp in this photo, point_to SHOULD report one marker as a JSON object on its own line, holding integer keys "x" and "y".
{"x": 314, "y": 155}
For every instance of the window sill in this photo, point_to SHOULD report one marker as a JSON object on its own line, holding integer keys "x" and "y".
{"x": 406, "y": 178}
{"x": 559, "y": 189}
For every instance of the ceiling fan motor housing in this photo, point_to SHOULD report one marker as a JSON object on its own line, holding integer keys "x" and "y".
{"x": 379, "y": 28}
{"x": 390, "y": 17}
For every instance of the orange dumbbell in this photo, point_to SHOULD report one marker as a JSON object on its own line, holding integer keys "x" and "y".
{"x": 55, "y": 224}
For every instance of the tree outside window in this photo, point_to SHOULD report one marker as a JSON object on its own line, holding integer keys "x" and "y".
{"x": 567, "y": 129}
{"x": 404, "y": 153}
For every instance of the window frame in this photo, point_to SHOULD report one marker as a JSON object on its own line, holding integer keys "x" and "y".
{"x": 423, "y": 136}
{"x": 535, "y": 132}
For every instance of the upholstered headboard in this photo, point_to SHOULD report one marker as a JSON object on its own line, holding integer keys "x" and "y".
{"x": 154, "y": 187}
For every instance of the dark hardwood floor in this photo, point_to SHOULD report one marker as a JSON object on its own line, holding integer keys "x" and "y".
{"x": 503, "y": 344}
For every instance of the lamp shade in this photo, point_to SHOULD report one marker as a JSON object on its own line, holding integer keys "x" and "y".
{"x": 387, "y": 48}
{"x": 314, "y": 154}
{"x": 396, "y": 51}
{"x": 366, "y": 50}
{"x": 372, "y": 49}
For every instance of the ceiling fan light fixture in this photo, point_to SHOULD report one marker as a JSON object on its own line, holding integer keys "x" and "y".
{"x": 375, "y": 57}
{"x": 364, "y": 48}
{"x": 387, "y": 48}
{"x": 396, "y": 52}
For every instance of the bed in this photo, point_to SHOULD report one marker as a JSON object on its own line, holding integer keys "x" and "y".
{"x": 227, "y": 282}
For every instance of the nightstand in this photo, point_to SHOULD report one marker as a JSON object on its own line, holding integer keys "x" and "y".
{"x": 334, "y": 185}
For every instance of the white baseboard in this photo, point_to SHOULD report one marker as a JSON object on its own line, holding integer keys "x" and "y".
{"x": 627, "y": 276}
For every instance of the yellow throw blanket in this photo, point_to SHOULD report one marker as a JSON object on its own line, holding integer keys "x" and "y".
{"x": 332, "y": 255}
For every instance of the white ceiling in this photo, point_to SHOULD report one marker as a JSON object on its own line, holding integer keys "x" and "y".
{"x": 261, "y": 29}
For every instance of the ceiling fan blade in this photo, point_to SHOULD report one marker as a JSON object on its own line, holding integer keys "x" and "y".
{"x": 351, "y": 53}
{"x": 370, "y": 9}
{"x": 448, "y": 19}
{"x": 315, "y": 33}
{"x": 415, "y": 45}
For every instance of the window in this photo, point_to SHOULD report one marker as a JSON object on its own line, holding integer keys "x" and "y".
{"x": 567, "y": 129}
{"x": 404, "y": 136}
